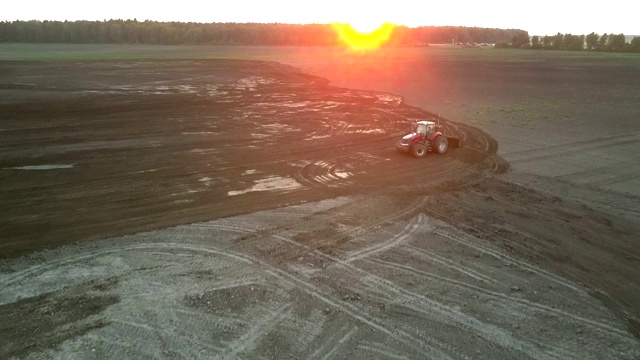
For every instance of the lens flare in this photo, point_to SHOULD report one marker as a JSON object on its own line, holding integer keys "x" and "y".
{"x": 364, "y": 26}
{"x": 361, "y": 41}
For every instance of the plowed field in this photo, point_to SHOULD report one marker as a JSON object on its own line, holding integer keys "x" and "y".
{"x": 247, "y": 209}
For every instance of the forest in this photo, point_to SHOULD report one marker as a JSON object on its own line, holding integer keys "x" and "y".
{"x": 591, "y": 42}
{"x": 178, "y": 33}
{"x": 277, "y": 34}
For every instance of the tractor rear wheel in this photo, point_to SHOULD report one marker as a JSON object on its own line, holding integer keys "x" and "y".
{"x": 419, "y": 150}
{"x": 440, "y": 144}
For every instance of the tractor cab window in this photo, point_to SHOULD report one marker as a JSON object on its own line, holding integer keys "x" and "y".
{"x": 422, "y": 129}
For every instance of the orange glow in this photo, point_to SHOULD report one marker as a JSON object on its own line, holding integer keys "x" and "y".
{"x": 358, "y": 40}
{"x": 365, "y": 26}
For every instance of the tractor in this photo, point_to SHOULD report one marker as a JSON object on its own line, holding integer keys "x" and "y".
{"x": 426, "y": 137}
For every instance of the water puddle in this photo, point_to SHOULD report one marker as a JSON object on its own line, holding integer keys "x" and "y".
{"x": 389, "y": 99}
{"x": 42, "y": 167}
{"x": 316, "y": 137}
{"x": 368, "y": 131}
{"x": 270, "y": 184}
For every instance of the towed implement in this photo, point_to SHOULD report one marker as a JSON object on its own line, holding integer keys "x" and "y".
{"x": 426, "y": 137}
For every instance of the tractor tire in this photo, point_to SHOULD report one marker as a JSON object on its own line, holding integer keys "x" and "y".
{"x": 440, "y": 145}
{"x": 419, "y": 150}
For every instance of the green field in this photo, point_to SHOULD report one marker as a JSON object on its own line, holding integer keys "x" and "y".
{"x": 80, "y": 52}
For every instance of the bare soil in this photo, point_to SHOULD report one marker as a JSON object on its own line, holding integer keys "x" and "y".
{"x": 245, "y": 209}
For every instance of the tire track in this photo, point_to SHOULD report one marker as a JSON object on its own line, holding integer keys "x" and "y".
{"x": 228, "y": 228}
{"x": 632, "y": 175}
{"x": 130, "y": 348}
{"x": 258, "y": 329}
{"x": 321, "y": 216}
{"x": 172, "y": 185}
{"x": 433, "y": 308}
{"x": 21, "y": 275}
{"x": 572, "y": 148}
{"x": 394, "y": 241}
{"x": 524, "y": 303}
{"x": 409, "y": 209}
{"x": 336, "y": 341}
{"x": 381, "y": 351}
{"x": 283, "y": 276}
{"x": 494, "y": 334}
{"x": 459, "y": 238}
{"x": 519, "y": 244}
{"x": 508, "y": 259}
{"x": 451, "y": 232}
{"x": 424, "y": 345}
{"x": 324, "y": 173}
{"x": 308, "y": 330}
{"x": 154, "y": 330}
{"x": 592, "y": 172}
{"x": 448, "y": 315}
{"x": 411, "y": 249}
{"x": 325, "y": 218}
{"x": 441, "y": 169}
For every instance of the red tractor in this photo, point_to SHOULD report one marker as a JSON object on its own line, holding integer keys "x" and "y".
{"x": 426, "y": 137}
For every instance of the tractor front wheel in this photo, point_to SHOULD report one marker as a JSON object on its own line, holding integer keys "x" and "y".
{"x": 440, "y": 144}
{"x": 419, "y": 150}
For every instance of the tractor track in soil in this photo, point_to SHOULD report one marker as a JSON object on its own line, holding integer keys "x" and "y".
{"x": 239, "y": 223}
{"x": 343, "y": 161}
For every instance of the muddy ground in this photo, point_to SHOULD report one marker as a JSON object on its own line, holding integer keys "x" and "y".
{"x": 239, "y": 209}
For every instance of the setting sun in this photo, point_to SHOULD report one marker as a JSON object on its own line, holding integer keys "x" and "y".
{"x": 364, "y": 35}
{"x": 365, "y": 26}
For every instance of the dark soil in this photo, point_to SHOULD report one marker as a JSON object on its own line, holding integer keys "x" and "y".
{"x": 98, "y": 150}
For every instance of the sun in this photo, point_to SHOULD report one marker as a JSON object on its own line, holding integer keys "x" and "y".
{"x": 363, "y": 36}
{"x": 365, "y": 26}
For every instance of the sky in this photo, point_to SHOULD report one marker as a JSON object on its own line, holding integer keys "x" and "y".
{"x": 541, "y": 17}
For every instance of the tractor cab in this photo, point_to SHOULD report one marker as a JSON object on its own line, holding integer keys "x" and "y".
{"x": 423, "y": 128}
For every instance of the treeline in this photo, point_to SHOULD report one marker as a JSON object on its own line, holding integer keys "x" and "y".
{"x": 178, "y": 33}
{"x": 593, "y": 42}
